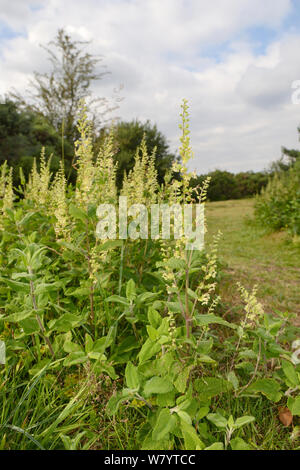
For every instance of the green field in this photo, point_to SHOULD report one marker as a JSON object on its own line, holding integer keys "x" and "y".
{"x": 254, "y": 256}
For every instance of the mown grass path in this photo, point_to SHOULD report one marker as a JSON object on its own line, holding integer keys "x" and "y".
{"x": 254, "y": 256}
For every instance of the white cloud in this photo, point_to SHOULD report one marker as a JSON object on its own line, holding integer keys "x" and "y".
{"x": 162, "y": 51}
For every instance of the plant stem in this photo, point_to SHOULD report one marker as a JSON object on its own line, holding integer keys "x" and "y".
{"x": 38, "y": 318}
{"x": 121, "y": 268}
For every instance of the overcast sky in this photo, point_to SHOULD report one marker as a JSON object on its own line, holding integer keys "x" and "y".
{"x": 234, "y": 60}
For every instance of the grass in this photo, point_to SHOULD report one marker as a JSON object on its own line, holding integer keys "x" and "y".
{"x": 253, "y": 256}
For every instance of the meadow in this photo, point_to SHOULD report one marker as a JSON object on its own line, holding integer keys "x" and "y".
{"x": 255, "y": 255}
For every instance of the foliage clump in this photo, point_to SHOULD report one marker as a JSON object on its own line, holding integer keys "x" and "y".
{"x": 278, "y": 206}
{"x": 138, "y": 321}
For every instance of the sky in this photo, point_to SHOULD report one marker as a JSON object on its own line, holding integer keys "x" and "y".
{"x": 234, "y": 61}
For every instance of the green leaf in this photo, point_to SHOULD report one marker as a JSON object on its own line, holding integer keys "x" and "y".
{"x": 96, "y": 356}
{"x": 132, "y": 377}
{"x": 191, "y": 438}
{"x": 207, "y": 319}
{"x": 128, "y": 344}
{"x": 165, "y": 423}
{"x": 77, "y": 357}
{"x": 239, "y": 444}
{"x": 268, "y": 387}
{"x": 154, "y": 318}
{"x": 102, "y": 343}
{"x": 115, "y": 401}
{"x": 206, "y": 359}
{"x": 182, "y": 378}
{"x": 243, "y": 420}
{"x": 215, "y": 446}
{"x": 192, "y": 294}
{"x": 174, "y": 307}
{"x": 232, "y": 378}
{"x": 230, "y": 422}
{"x": 146, "y": 297}
{"x": 290, "y": 373}
{"x": 45, "y": 287}
{"x": 217, "y": 419}
{"x": 148, "y": 350}
{"x": 109, "y": 370}
{"x": 209, "y": 387}
{"x": 247, "y": 354}
{"x": 16, "y": 285}
{"x": 19, "y": 316}
{"x": 184, "y": 416}
{"x": 202, "y": 412}
{"x": 30, "y": 326}
{"x": 26, "y": 217}
{"x": 158, "y": 385}
{"x": 80, "y": 291}
{"x": 176, "y": 263}
{"x": 23, "y": 275}
{"x": 110, "y": 245}
{"x": 88, "y": 343}
{"x": 118, "y": 299}
{"x": 70, "y": 347}
{"x": 164, "y": 327}
{"x": 165, "y": 399}
{"x": 70, "y": 246}
{"x": 77, "y": 213}
{"x": 130, "y": 290}
{"x": 294, "y": 405}
{"x": 65, "y": 323}
{"x": 150, "y": 444}
{"x": 152, "y": 333}
{"x": 184, "y": 404}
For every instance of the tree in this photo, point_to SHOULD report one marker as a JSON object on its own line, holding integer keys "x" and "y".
{"x": 222, "y": 186}
{"x": 57, "y": 94}
{"x": 292, "y": 156}
{"x": 23, "y": 133}
{"x": 225, "y": 185}
{"x": 128, "y": 136}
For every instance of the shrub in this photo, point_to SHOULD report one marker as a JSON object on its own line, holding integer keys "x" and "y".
{"x": 278, "y": 206}
{"x": 225, "y": 185}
